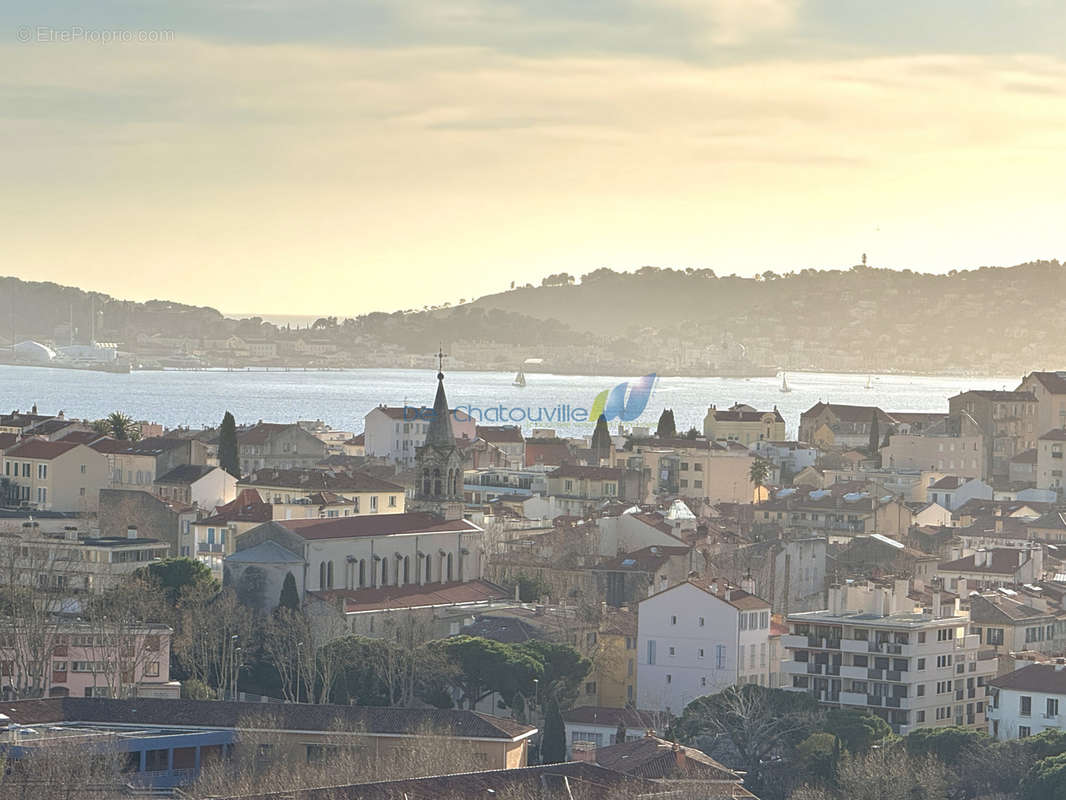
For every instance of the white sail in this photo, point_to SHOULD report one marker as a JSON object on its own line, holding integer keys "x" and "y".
{"x": 520, "y": 378}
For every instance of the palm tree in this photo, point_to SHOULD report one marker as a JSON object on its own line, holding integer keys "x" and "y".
{"x": 759, "y": 473}
{"x": 122, "y": 427}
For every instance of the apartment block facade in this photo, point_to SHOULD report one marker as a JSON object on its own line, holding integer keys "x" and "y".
{"x": 881, "y": 655}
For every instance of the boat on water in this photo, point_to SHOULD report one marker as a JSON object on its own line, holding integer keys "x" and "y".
{"x": 520, "y": 378}
{"x": 784, "y": 384}
{"x": 869, "y": 384}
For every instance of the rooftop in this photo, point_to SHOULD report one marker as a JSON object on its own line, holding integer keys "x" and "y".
{"x": 867, "y": 618}
{"x": 274, "y": 716}
{"x": 375, "y": 525}
{"x": 1046, "y": 678}
{"x": 317, "y": 480}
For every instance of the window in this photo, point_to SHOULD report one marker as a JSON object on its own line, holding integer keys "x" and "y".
{"x": 373, "y": 503}
{"x": 1052, "y": 707}
{"x": 920, "y": 692}
{"x": 651, "y": 651}
{"x": 920, "y": 716}
{"x": 392, "y": 501}
{"x": 669, "y": 678}
{"x": 42, "y": 471}
{"x": 719, "y": 656}
{"x": 1023, "y": 731}
{"x": 151, "y": 669}
{"x": 1025, "y": 705}
{"x": 921, "y": 663}
{"x": 995, "y": 636}
{"x": 703, "y": 681}
{"x": 673, "y": 620}
{"x": 701, "y": 622}
{"x": 590, "y": 688}
{"x": 699, "y": 653}
{"x": 42, "y": 494}
{"x": 673, "y": 651}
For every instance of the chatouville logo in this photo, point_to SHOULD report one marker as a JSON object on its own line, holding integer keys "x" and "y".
{"x": 625, "y": 402}
{"x": 612, "y": 403}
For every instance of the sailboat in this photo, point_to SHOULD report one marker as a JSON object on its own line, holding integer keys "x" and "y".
{"x": 784, "y": 384}
{"x": 520, "y": 378}
{"x": 868, "y": 384}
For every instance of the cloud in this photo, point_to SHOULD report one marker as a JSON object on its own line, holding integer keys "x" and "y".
{"x": 391, "y": 176}
{"x": 738, "y": 22}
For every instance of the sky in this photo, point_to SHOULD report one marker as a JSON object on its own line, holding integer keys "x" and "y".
{"x": 305, "y": 157}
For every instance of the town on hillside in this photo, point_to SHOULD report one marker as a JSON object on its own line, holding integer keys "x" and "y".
{"x": 430, "y": 607}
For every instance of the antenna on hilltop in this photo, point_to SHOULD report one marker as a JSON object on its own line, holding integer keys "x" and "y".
{"x": 864, "y": 259}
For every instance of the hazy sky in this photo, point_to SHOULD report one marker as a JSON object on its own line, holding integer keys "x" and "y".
{"x": 294, "y": 156}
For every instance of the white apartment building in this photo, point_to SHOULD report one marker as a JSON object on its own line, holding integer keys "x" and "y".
{"x": 698, "y": 638}
{"x": 874, "y": 650}
{"x": 1028, "y": 701}
{"x": 396, "y": 433}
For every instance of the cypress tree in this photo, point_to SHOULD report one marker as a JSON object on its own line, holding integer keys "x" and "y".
{"x": 290, "y": 598}
{"x": 666, "y": 428}
{"x": 553, "y": 745}
{"x": 875, "y": 434}
{"x": 227, "y": 446}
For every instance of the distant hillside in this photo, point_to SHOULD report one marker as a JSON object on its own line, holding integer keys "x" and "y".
{"x": 988, "y": 320}
{"x": 992, "y": 318}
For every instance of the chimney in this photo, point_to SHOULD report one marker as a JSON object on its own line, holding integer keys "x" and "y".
{"x": 747, "y": 583}
{"x": 131, "y": 532}
{"x": 936, "y": 604}
{"x": 679, "y": 755}
{"x": 999, "y": 523}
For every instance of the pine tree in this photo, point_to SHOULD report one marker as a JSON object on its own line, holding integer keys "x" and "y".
{"x": 227, "y": 446}
{"x": 290, "y": 598}
{"x": 553, "y": 744}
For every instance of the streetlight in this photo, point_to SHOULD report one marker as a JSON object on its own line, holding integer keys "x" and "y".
{"x": 299, "y": 668}
{"x": 236, "y": 670}
{"x": 232, "y": 660}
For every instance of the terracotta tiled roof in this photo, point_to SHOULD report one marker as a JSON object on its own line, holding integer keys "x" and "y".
{"x": 949, "y": 482}
{"x": 8, "y": 440}
{"x": 549, "y": 452}
{"x": 1000, "y": 395}
{"x": 186, "y": 474}
{"x": 1054, "y": 382}
{"x": 40, "y": 449}
{"x": 652, "y": 757}
{"x": 1054, "y": 435}
{"x": 581, "y": 779}
{"x": 587, "y": 473}
{"x": 374, "y": 525}
{"x": 286, "y": 716}
{"x": 647, "y": 559}
{"x": 312, "y": 480}
{"x": 739, "y": 415}
{"x": 505, "y": 434}
{"x": 81, "y": 437}
{"x": 261, "y": 432}
{"x": 1043, "y": 678}
{"x": 1025, "y": 457}
{"x": 416, "y": 596}
{"x": 999, "y": 561}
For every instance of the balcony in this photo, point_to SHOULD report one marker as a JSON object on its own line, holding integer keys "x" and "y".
{"x": 875, "y": 674}
{"x": 853, "y": 645}
{"x": 893, "y": 675}
{"x": 874, "y": 700}
{"x": 857, "y": 673}
{"x": 791, "y": 641}
{"x": 853, "y": 698}
{"x": 795, "y": 667}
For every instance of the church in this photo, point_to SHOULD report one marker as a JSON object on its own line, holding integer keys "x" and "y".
{"x": 429, "y": 558}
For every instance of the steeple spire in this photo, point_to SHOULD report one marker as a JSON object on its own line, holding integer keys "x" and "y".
{"x": 440, "y": 432}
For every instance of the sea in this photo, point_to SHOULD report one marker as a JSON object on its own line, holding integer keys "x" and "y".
{"x": 341, "y": 398}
